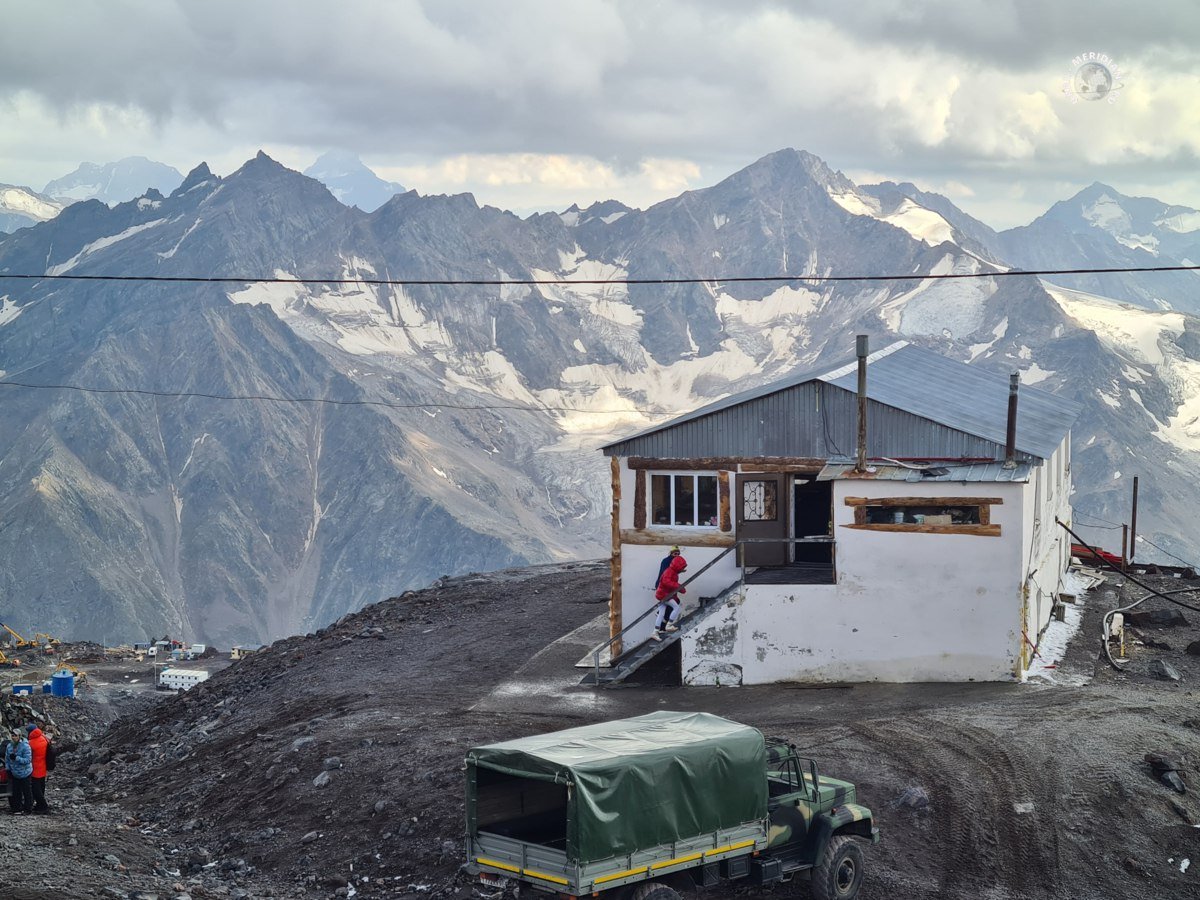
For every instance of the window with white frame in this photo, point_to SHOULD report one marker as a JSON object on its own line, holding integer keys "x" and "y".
{"x": 689, "y": 500}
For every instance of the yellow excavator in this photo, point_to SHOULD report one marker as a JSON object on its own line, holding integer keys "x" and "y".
{"x": 18, "y": 641}
{"x": 7, "y": 660}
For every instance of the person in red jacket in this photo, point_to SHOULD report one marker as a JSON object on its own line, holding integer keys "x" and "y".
{"x": 37, "y": 744}
{"x": 667, "y": 596}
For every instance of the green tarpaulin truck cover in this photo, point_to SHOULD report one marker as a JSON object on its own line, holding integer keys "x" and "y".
{"x": 637, "y": 783}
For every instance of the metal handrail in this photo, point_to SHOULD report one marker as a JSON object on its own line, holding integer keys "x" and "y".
{"x": 738, "y": 545}
{"x": 617, "y": 637}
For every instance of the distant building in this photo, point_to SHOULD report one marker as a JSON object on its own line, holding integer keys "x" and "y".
{"x": 181, "y": 679}
{"x": 940, "y": 561}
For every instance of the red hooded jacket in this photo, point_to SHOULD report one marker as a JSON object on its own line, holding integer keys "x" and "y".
{"x": 669, "y": 583}
{"x": 37, "y": 744}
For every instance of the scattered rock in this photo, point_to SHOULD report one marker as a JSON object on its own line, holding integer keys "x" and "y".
{"x": 912, "y": 798}
{"x": 112, "y": 860}
{"x": 1135, "y": 866}
{"x": 1172, "y": 780}
{"x": 380, "y": 806}
{"x": 1193, "y": 649}
{"x": 310, "y": 837}
{"x": 1164, "y": 671}
{"x": 1182, "y": 812}
{"x": 1155, "y": 618}
{"x": 1164, "y": 761}
{"x": 322, "y": 779}
{"x": 301, "y": 742}
{"x": 332, "y": 762}
{"x": 1158, "y": 645}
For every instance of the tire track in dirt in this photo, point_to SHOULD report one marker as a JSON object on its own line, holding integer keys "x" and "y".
{"x": 975, "y": 785}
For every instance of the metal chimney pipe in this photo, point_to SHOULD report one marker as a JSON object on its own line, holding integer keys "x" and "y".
{"x": 1010, "y": 438}
{"x": 860, "y": 346}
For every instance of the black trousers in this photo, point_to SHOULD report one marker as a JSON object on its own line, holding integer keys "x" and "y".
{"x": 38, "y": 786}
{"x": 23, "y": 791}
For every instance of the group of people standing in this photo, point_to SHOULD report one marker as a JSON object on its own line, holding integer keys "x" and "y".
{"x": 28, "y": 757}
{"x": 666, "y": 591}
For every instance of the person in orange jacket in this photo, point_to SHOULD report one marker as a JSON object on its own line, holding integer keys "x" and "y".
{"x": 667, "y": 596}
{"x": 37, "y": 745}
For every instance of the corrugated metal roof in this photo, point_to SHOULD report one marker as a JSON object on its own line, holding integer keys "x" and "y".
{"x": 936, "y": 471}
{"x": 964, "y": 398}
{"x": 901, "y": 376}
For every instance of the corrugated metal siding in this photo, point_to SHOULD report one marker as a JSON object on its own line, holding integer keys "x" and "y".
{"x": 812, "y": 419}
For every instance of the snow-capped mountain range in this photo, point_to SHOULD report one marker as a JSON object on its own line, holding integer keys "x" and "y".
{"x": 352, "y": 182}
{"x": 464, "y": 420}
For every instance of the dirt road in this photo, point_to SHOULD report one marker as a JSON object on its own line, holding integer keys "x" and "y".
{"x": 330, "y": 765}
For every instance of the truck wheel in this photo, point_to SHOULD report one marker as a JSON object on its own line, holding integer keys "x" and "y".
{"x": 654, "y": 890}
{"x": 840, "y": 874}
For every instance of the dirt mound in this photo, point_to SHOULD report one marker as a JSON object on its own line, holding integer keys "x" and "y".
{"x": 333, "y": 761}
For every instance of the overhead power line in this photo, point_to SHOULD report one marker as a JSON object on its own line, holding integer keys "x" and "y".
{"x": 517, "y": 282}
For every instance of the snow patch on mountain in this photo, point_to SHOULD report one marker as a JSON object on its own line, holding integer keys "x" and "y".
{"x": 950, "y": 307}
{"x": 1035, "y": 374}
{"x": 1182, "y": 223}
{"x": 783, "y": 304}
{"x": 15, "y": 199}
{"x": 605, "y": 301}
{"x": 8, "y": 310}
{"x": 922, "y": 223}
{"x": 1132, "y": 331}
{"x": 96, "y": 246}
{"x": 1107, "y": 214}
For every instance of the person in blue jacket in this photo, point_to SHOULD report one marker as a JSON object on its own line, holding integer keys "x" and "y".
{"x": 19, "y": 761}
{"x": 662, "y": 567}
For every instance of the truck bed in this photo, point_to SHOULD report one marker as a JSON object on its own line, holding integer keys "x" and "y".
{"x": 547, "y": 866}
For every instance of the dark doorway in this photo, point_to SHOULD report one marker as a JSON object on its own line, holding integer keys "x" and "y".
{"x": 812, "y": 518}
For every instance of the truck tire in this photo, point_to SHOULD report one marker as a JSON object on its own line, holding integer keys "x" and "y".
{"x": 654, "y": 890}
{"x": 840, "y": 874}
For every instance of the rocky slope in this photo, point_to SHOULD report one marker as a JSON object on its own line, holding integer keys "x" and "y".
{"x": 334, "y": 761}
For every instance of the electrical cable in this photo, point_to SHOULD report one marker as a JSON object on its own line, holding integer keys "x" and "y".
{"x": 517, "y": 282}
{"x": 1108, "y": 616}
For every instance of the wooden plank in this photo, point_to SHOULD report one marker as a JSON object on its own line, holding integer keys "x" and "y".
{"x": 639, "y": 499}
{"x": 723, "y": 500}
{"x": 728, "y": 463}
{"x": 799, "y": 467}
{"x": 923, "y": 501}
{"x": 667, "y": 537}
{"x": 985, "y": 530}
{"x": 614, "y": 594}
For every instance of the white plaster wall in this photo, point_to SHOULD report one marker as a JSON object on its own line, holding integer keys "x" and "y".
{"x": 907, "y": 607}
{"x": 1049, "y": 545}
{"x": 639, "y": 570}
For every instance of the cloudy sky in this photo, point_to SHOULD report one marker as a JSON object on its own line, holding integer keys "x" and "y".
{"x": 535, "y": 104}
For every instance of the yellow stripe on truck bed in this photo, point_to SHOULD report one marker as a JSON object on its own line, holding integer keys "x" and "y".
{"x": 728, "y": 847}
{"x": 641, "y": 871}
{"x": 497, "y": 865}
{"x": 532, "y": 874}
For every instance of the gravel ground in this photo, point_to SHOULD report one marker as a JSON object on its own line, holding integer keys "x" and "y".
{"x": 331, "y": 765}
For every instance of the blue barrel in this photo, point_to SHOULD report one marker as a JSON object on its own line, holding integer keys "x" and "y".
{"x": 62, "y": 684}
{"x": 45, "y": 687}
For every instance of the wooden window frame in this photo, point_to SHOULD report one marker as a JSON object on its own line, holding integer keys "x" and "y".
{"x": 695, "y": 476}
{"x": 985, "y": 527}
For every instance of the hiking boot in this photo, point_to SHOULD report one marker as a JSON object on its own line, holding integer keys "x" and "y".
{"x": 671, "y": 628}
{"x": 655, "y": 636}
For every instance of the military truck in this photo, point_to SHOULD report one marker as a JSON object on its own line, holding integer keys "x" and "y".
{"x": 648, "y": 807}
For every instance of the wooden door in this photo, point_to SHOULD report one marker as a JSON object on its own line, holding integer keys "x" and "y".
{"x": 762, "y": 513}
